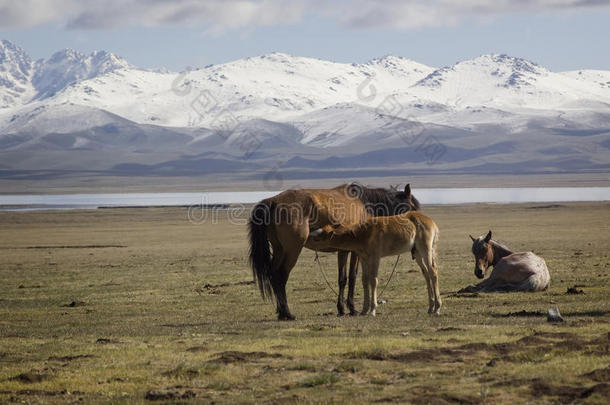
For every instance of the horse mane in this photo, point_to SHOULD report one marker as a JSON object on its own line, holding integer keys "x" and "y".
{"x": 386, "y": 199}
{"x": 501, "y": 245}
{"x": 494, "y": 244}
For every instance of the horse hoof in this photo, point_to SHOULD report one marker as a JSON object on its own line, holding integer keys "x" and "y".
{"x": 354, "y": 313}
{"x": 287, "y": 317}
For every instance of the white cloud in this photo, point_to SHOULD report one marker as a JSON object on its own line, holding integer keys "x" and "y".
{"x": 221, "y": 15}
{"x": 404, "y": 15}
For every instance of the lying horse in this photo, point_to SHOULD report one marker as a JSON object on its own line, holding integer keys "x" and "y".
{"x": 388, "y": 236}
{"x": 284, "y": 221}
{"x": 523, "y": 271}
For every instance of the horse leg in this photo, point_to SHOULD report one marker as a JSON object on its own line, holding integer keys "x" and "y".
{"x": 420, "y": 263}
{"x": 433, "y": 275}
{"x": 353, "y": 273}
{"x": 286, "y": 259}
{"x": 373, "y": 270}
{"x": 365, "y": 287}
{"x": 278, "y": 282}
{"x": 342, "y": 264}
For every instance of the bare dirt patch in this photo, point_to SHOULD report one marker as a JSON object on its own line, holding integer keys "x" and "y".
{"x": 450, "y": 329}
{"x": 465, "y": 293}
{"x": 599, "y": 375}
{"x": 522, "y": 313}
{"x": 197, "y": 349}
{"x": 567, "y": 393}
{"x": 240, "y": 357}
{"x": 431, "y": 395}
{"x": 70, "y": 358}
{"x": 105, "y": 341}
{"x": 167, "y": 395}
{"x": 509, "y": 351}
{"x": 181, "y": 372}
{"x": 32, "y": 376}
{"x": 75, "y": 304}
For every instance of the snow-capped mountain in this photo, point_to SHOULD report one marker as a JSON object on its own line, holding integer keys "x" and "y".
{"x": 68, "y": 66}
{"x": 15, "y": 75}
{"x": 493, "y": 111}
{"x": 23, "y": 80}
{"x": 274, "y": 87}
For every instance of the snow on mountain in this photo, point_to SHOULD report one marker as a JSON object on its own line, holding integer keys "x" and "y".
{"x": 22, "y": 80}
{"x": 274, "y": 87}
{"x": 69, "y": 66}
{"x": 503, "y": 82}
{"x": 15, "y": 75}
{"x": 598, "y": 80}
{"x": 278, "y": 104}
{"x": 285, "y": 88}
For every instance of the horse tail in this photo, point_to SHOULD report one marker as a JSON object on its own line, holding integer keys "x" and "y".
{"x": 260, "y": 252}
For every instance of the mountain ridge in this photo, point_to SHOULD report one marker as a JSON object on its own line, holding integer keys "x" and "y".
{"x": 258, "y": 108}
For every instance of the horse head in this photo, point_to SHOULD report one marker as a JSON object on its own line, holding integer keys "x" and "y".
{"x": 405, "y": 201}
{"x": 381, "y": 202}
{"x": 483, "y": 254}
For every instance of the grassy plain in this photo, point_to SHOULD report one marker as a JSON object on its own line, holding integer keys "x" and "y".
{"x": 143, "y": 306}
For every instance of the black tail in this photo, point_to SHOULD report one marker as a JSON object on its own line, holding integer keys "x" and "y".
{"x": 260, "y": 253}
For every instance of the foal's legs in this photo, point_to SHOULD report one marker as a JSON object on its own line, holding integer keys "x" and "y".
{"x": 424, "y": 270}
{"x": 353, "y": 273}
{"x": 373, "y": 269}
{"x": 431, "y": 264}
{"x": 427, "y": 263}
{"x": 365, "y": 286}
{"x": 342, "y": 265}
{"x": 370, "y": 267}
{"x": 433, "y": 272}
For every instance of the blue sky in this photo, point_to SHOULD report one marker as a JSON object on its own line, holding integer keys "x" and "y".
{"x": 560, "y": 35}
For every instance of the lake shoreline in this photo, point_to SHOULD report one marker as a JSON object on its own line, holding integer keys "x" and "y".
{"x": 73, "y": 183}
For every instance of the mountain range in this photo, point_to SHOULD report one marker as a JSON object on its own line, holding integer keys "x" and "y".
{"x": 307, "y": 117}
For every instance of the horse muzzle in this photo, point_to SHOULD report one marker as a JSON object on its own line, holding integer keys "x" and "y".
{"x": 479, "y": 273}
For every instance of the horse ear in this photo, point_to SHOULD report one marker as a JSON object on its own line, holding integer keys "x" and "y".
{"x": 488, "y": 237}
{"x": 473, "y": 239}
{"x": 408, "y": 190}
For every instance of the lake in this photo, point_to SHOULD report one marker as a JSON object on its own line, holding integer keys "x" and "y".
{"x": 29, "y": 202}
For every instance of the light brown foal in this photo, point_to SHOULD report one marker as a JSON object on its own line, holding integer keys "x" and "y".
{"x": 378, "y": 237}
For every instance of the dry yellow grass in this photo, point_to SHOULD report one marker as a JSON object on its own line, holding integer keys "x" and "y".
{"x": 162, "y": 310}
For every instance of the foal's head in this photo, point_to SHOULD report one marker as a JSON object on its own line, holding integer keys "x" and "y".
{"x": 483, "y": 254}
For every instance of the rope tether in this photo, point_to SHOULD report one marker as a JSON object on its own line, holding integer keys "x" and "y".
{"x": 388, "y": 282}
{"x": 317, "y": 259}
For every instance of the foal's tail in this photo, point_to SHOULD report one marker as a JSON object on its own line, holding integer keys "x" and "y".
{"x": 260, "y": 253}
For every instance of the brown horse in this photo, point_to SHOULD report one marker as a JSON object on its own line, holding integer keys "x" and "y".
{"x": 284, "y": 221}
{"x": 388, "y": 236}
{"x": 523, "y": 271}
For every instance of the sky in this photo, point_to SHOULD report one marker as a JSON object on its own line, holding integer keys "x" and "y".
{"x": 176, "y": 34}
